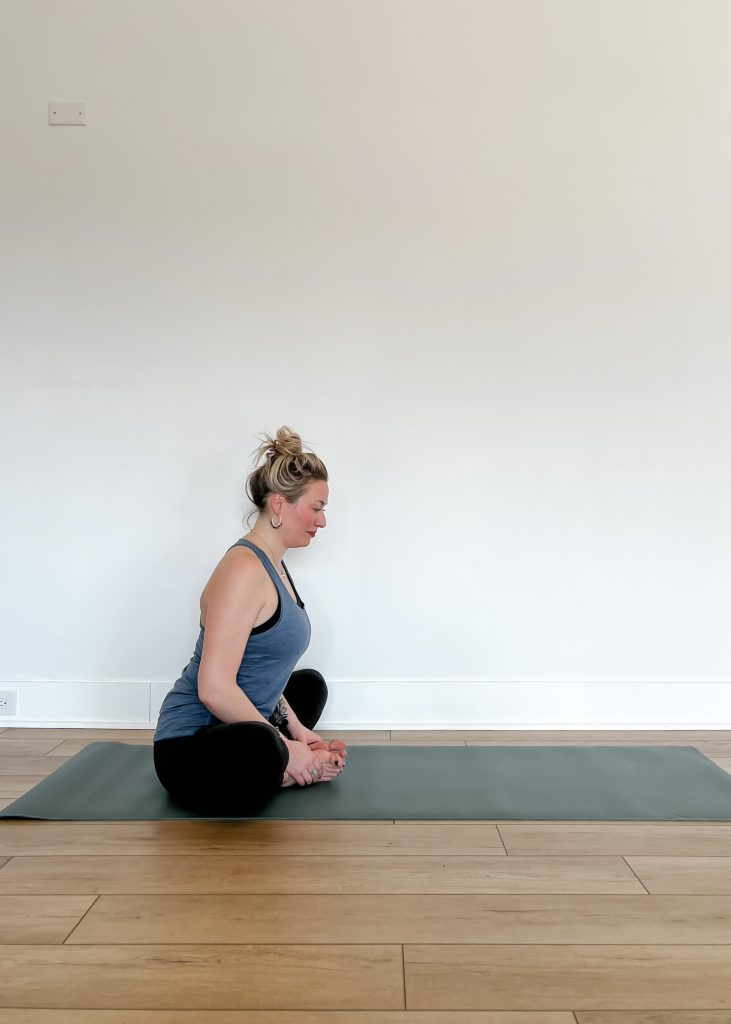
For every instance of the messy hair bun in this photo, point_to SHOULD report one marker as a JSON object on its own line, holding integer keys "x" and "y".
{"x": 286, "y": 443}
{"x": 287, "y": 469}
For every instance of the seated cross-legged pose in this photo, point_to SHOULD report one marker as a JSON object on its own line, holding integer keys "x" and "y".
{"x": 238, "y": 724}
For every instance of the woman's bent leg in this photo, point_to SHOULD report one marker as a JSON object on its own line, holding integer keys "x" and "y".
{"x": 229, "y": 769}
{"x": 306, "y": 694}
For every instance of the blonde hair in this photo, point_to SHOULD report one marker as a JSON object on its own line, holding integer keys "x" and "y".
{"x": 287, "y": 469}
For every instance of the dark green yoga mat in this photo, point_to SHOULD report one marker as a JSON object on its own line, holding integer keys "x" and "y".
{"x": 117, "y": 781}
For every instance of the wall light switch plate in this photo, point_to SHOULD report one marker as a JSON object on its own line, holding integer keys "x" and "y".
{"x": 66, "y": 113}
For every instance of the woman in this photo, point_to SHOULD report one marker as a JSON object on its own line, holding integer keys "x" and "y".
{"x": 237, "y": 725}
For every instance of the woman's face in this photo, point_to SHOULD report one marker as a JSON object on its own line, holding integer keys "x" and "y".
{"x": 306, "y": 516}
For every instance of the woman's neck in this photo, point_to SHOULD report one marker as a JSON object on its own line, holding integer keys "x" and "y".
{"x": 266, "y": 536}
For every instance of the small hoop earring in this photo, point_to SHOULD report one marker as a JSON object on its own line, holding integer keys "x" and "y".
{"x": 274, "y": 525}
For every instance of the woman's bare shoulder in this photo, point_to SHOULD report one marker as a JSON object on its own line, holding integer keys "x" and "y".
{"x": 238, "y": 569}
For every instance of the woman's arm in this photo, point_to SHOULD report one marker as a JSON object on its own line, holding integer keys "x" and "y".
{"x": 236, "y": 595}
{"x": 292, "y": 719}
{"x": 229, "y": 703}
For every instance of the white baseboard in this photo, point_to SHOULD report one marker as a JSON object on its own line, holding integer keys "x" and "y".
{"x": 408, "y": 705}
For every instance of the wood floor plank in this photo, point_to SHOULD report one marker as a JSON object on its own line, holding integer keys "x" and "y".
{"x": 22, "y": 765}
{"x": 20, "y": 1016}
{"x": 21, "y": 746}
{"x": 77, "y": 733}
{"x": 444, "y": 822}
{"x": 683, "y": 874}
{"x": 572, "y": 920}
{"x": 16, "y": 785}
{"x": 427, "y": 738}
{"x": 317, "y": 875}
{"x": 5, "y": 802}
{"x": 652, "y": 1017}
{"x": 675, "y": 839}
{"x": 40, "y": 919}
{"x": 373, "y": 737}
{"x": 206, "y": 977}
{"x": 208, "y": 838}
{"x": 714, "y": 749}
{"x": 555, "y": 977}
{"x": 598, "y": 737}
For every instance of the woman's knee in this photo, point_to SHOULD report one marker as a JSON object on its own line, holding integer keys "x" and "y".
{"x": 308, "y": 679}
{"x": 306, "y": 690}
{"x": 247, "y": 742}
{"x": 306, "y": 693}
{"x": 318, "y": 684}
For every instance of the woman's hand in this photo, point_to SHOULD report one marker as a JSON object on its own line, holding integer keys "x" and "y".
{"x": 315, "y": 742}
{"x": 302, "y": 734}
{"x": 304, "y": 765}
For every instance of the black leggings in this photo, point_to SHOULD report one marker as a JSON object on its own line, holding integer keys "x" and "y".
{"x": 235, "y": 769}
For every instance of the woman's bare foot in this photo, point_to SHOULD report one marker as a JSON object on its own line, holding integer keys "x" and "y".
{"x": 330, "y": 770}
{"x": 337, "y": 747}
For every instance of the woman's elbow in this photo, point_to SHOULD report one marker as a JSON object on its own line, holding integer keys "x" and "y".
{"x": 209, "y": 694}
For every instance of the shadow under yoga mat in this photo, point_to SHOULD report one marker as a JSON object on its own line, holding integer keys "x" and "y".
{"x": 117, "y": 781}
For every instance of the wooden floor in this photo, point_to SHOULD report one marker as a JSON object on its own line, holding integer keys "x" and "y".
{"x": 361, "y": 922}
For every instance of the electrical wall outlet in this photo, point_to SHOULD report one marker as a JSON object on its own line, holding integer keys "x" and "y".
{"x": 7, "y": 702}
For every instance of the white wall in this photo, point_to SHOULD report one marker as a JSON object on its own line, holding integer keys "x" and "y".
{"x": 477, "y": 253}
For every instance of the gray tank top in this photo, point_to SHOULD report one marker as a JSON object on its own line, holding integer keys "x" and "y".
{"x": 269, "y": 658}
